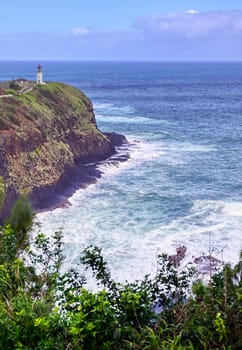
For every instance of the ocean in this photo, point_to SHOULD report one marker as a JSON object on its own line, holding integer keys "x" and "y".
{"x": 182, "y": 183}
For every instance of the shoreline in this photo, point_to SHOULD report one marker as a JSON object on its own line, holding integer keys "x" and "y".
{"x": 78, "y": 177}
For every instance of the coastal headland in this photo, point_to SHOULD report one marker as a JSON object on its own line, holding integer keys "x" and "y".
{"x": 49, "y": 144}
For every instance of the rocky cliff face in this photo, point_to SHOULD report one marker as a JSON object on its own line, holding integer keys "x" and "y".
{"x": 44, "y": 135}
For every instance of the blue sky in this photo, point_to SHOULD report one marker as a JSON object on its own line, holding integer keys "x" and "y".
{"x": 121, "y": 30}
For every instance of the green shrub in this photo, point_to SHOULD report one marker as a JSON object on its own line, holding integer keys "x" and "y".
{"x": 42, "y": 307}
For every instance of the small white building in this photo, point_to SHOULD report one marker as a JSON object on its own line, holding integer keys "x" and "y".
{"x": 39, "y": 75}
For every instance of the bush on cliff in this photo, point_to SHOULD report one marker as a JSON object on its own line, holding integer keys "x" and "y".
{"x": 42, "y": 307}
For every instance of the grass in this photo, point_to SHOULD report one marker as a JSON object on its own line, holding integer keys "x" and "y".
{"x": 45, "y": 105}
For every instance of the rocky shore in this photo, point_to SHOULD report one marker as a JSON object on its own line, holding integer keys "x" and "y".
{"x": 49, "y": 144}
{"x": 78, "y": 176}
{"x": 204, "y": 264}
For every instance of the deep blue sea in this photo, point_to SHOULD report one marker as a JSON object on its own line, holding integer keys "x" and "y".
{"x": 183, "y": 181}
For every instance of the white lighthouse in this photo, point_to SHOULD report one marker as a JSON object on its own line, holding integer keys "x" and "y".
{"x": 39, "y": 75}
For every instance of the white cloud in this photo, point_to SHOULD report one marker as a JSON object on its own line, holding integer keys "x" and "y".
{"x": 192, "y": 24}
{"x": 188, "y": 35}
{"x": 80, "y": 31}
{"x": 191, "y": 11}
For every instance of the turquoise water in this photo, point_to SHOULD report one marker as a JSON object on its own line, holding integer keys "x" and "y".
{"x": 182, "y": 182}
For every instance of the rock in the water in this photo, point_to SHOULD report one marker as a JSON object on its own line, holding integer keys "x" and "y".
{"x": 179, "y": 256}
{"x": 207, "y": 264}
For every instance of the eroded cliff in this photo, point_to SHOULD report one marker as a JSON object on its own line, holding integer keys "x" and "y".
{"x": 44, "y": 135}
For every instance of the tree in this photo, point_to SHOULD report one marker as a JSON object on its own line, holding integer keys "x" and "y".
{"x": 21, "y": 221}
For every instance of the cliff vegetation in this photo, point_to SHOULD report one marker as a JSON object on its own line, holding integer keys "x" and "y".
{"x": 44, "y": 134}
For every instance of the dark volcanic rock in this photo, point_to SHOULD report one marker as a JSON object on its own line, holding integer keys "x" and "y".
{"x": 207, "y": 264}
{"x": 116, "y": 139}
{"x": 179, "y": 256}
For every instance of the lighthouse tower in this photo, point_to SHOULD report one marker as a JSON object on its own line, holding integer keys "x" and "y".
{"x": 39, "y": 75}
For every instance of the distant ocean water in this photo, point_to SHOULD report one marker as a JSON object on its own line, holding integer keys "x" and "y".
{"x": 183, "y": 181}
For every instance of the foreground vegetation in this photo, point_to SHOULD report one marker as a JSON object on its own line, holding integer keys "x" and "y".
{"x": 42, "y": 307}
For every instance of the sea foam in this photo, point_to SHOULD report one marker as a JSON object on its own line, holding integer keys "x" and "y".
{"x": 180, "y": 184}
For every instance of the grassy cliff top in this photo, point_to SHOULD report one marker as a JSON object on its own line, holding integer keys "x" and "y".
{"x": 45, "y": 106}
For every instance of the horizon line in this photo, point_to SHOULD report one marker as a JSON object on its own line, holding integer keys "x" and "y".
{"x": 120, "y": 61}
